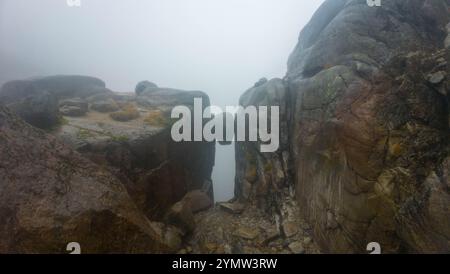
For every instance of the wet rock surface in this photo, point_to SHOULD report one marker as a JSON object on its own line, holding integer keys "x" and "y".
{"x": 252, "y": 231}
{"x": 50, "y": 195}
{"x": 107, "y": 138}
{"x": 367, "y": 127}
{"x": 262, "y": 177}
{"x": 134, "y": 142}
{"x": 36, "y": 100}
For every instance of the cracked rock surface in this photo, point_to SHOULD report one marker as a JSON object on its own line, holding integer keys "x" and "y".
{"x": 365, "y": 131}
{"x": 251, "y": 231}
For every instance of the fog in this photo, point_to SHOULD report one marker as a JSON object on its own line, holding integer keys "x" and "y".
{"x": 221, "y": 47}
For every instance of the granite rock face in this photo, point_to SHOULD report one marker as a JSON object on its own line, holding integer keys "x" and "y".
{"x": 366, "y": 142}
{"x": 50, "y": 195}
{"x": 262, "y": 177}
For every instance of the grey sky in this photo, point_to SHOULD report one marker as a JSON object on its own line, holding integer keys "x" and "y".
{"x": 218, "y": 46}
{"x": 221, "y": 47}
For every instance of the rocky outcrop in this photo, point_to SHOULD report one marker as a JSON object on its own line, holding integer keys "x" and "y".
{"x": 39, "y": 109}
{"x": 261, "y": 178}
{"x": 139, "y": 174}
{"x": 366, "y": 141}
{"x": 36, "y": 100}
{"x": 50, "y": 195}
{"x": 167, "y": 97}
{"x": 143, "y": 86}
{"x": 62, "y": 86}
{"x": 134, "y": 141}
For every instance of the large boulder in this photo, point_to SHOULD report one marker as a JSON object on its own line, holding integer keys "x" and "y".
{"x": 68, "y": 86}
{"x": 169, "y": 97}
{"x": 197, "y": 200}
{"x": 368, "y": 125}
{"x": 181, "y": 214}
{"x": 50, "y": 195}
{"x": 36, "y": 100}
{"x": 143, "y": 86}
{"x": 353, "y": 34}
{"x": 62, "y": 86}
{"x": 38, "y": 109}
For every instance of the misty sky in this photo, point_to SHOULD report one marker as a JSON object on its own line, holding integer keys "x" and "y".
{"x": 221, "y": 47}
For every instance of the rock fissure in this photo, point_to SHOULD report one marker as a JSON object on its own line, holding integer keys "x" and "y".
{"x": 358, "y": 178}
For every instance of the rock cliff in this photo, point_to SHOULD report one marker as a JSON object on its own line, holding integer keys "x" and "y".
{"x": 364, "y": 147}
